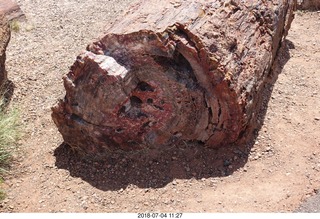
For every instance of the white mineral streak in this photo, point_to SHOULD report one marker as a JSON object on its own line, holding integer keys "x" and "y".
{"x": 109, "y": 64}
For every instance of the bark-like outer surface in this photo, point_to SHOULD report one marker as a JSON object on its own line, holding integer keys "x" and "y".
{"x": 10, "y": 9}
{"x": 192, "y": 70}
{"x": 4, "y": 40}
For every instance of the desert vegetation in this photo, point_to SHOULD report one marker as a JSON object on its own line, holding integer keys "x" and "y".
{"x": 9, "y": 134}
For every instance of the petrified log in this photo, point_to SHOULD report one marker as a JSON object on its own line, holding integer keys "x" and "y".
{"x": 4, "y": 40}
{"x": 189, "y": 69}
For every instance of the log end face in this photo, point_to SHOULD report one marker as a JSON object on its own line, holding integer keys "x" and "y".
{"x": 118, "y": 101}
{"x": 146, "y": 89}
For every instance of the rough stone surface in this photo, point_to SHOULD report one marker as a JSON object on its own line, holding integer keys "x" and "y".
{"x": 10, "y": 9}
{"x": 4, "y": 40}
{"x": 188, "y": 70}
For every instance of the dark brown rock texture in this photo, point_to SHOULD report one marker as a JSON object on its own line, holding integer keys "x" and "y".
{"x": 188, "y": 70}
{"x": 4, "y": 40}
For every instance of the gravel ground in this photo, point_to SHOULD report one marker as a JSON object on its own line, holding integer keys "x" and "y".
{"x": 312, "y": 205}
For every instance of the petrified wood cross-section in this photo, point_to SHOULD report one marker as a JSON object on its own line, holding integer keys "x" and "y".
{"x": 189, "y": 69}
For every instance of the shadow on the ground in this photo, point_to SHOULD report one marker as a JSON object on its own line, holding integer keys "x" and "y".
{"x": 6, "y": 92}
{"x": 184, "y": 160}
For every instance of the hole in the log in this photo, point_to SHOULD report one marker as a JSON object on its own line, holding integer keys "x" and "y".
{"x": 213, "y": 48}
{"x": 143, "y": 86}
{"x": 146, "y": 124}
{"x": 152, "y": 37}
{"x": 177, "y": 134}
{"x": 133, "y": 143}
{"x": 158, "y": 107}
{"x": 119, "y": 130}
{"x": 76, "y": 118}
{"x": 140, "y": 114}
{"x": 235, "y": 10}
{"x": 233, "y": 46}
{"x": 122, "y": 110}
{"x": 149, "y": 101}
{"x": 219, "y": 112}
{"x": 210, "y": 112}
{"x": 135, "y": 101}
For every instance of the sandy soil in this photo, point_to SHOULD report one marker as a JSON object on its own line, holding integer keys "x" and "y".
{"x": 277, "y": 171}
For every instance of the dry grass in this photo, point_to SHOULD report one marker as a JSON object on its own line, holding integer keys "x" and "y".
{"x": 9, "y": 134}
{"x": 15, "y": 25}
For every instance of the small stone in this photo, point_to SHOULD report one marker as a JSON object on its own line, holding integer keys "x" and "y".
{"x": 317, "y": 118}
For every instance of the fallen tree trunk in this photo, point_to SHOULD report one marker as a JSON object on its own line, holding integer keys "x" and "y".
{"x": 191, "y": 70}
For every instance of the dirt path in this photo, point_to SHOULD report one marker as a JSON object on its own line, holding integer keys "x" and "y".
{"x": 275, "y": 173}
